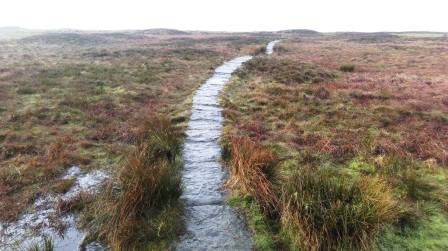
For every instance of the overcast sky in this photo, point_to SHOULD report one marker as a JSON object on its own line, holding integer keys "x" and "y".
{"x": 228, "y": 15}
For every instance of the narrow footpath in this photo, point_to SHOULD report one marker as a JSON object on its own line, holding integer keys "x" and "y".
{"x": 211, "y": 223}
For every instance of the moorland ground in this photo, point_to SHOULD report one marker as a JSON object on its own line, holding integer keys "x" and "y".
{"x": 340, "y": 141}
{"x": 112, "y": 101}
{"x": 336, "y": 141}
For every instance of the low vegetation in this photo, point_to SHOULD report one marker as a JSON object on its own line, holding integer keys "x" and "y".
{"x": 47, "y": 245}
{"x": 251, "y": 171}
{"x": 286, "y": 71}
{"x": 145, "y": 193}
{"x": 324, "y": 210}
{"x": 262, "y": 228}
{"x": 94, "y": 100}
{"x": 334, "y": 142}
{"x": 361, "y": 155}
{"x": 347, "y": 68}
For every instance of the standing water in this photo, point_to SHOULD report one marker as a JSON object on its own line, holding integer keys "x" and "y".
{"x": 36, "y": 224}
{"x": 211, "y": 224}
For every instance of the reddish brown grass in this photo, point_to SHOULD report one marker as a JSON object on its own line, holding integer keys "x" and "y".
{"x": 251, "y": 171}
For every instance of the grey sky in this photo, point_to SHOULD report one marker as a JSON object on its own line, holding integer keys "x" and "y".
{"x": 227, "y": 15}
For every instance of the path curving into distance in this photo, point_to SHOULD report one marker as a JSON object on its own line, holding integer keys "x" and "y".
{"x": 211, "y": 224}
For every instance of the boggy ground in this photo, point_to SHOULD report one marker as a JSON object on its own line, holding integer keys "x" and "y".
{"x": 87, "y": 98}
{"x": 340, "y": 141}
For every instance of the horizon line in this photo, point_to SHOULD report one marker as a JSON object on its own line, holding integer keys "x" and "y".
{"x": 218, "y": 31}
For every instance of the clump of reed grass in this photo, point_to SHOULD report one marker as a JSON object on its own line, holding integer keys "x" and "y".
{"x": 347, "y": 68}
{"x": 251, "y": 171}
{"x": 324, "y": 210}
{"x": 47, "y": 245}
{"x": 76, "y": 203}
{"x": 279, "y": 49}
{"x": 146, "y": 208}
{"x": 260, "y": 50}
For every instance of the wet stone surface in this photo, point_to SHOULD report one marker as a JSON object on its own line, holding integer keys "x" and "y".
{"x": 210, "y": 223}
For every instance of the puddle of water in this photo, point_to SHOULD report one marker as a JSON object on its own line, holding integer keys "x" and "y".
{"x": 34, "y": 225}
{"x": 270, "y": 47}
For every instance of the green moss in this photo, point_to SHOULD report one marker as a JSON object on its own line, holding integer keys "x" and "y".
{"x": 262, "y": 233}
{"x": 359, "y": 165}
{"x": 429, "y": 234}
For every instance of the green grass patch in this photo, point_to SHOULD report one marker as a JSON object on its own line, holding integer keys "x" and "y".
{"x": 429, "y": 234}
{"x": 263, "y": 233}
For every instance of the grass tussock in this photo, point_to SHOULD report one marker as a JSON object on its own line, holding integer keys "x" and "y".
{"x": 314, "y": 208}
{"x": 47, "y": 245}
{"x": 347, "y": 68}
{"x": 260, "y": 50}
{"x": 76, "y": 203}
{"x": 325, "y": 211}
{"x": 251, "y": 170}
{"x": 143, "y": 208}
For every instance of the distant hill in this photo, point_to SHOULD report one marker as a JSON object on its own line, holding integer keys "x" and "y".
{"x": 430, "y": 34}
{"x": 303, "y": 32}
{"x": 77, "y": 36}
{"x": 364, "y": 34}
{"x": 162, "y": 31}
{"x": 367, "y": 37}
{"x": 74, "y": 38}
{"x": 16, "y": 32}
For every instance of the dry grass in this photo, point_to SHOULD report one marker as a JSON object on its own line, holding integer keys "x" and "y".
{"x": 251, "y": 169}
{"x": 325, "y": 211}
{"x": 147, "y": 191}
{"x": 47, "y": 245}
{"x": 75, "y": 204}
